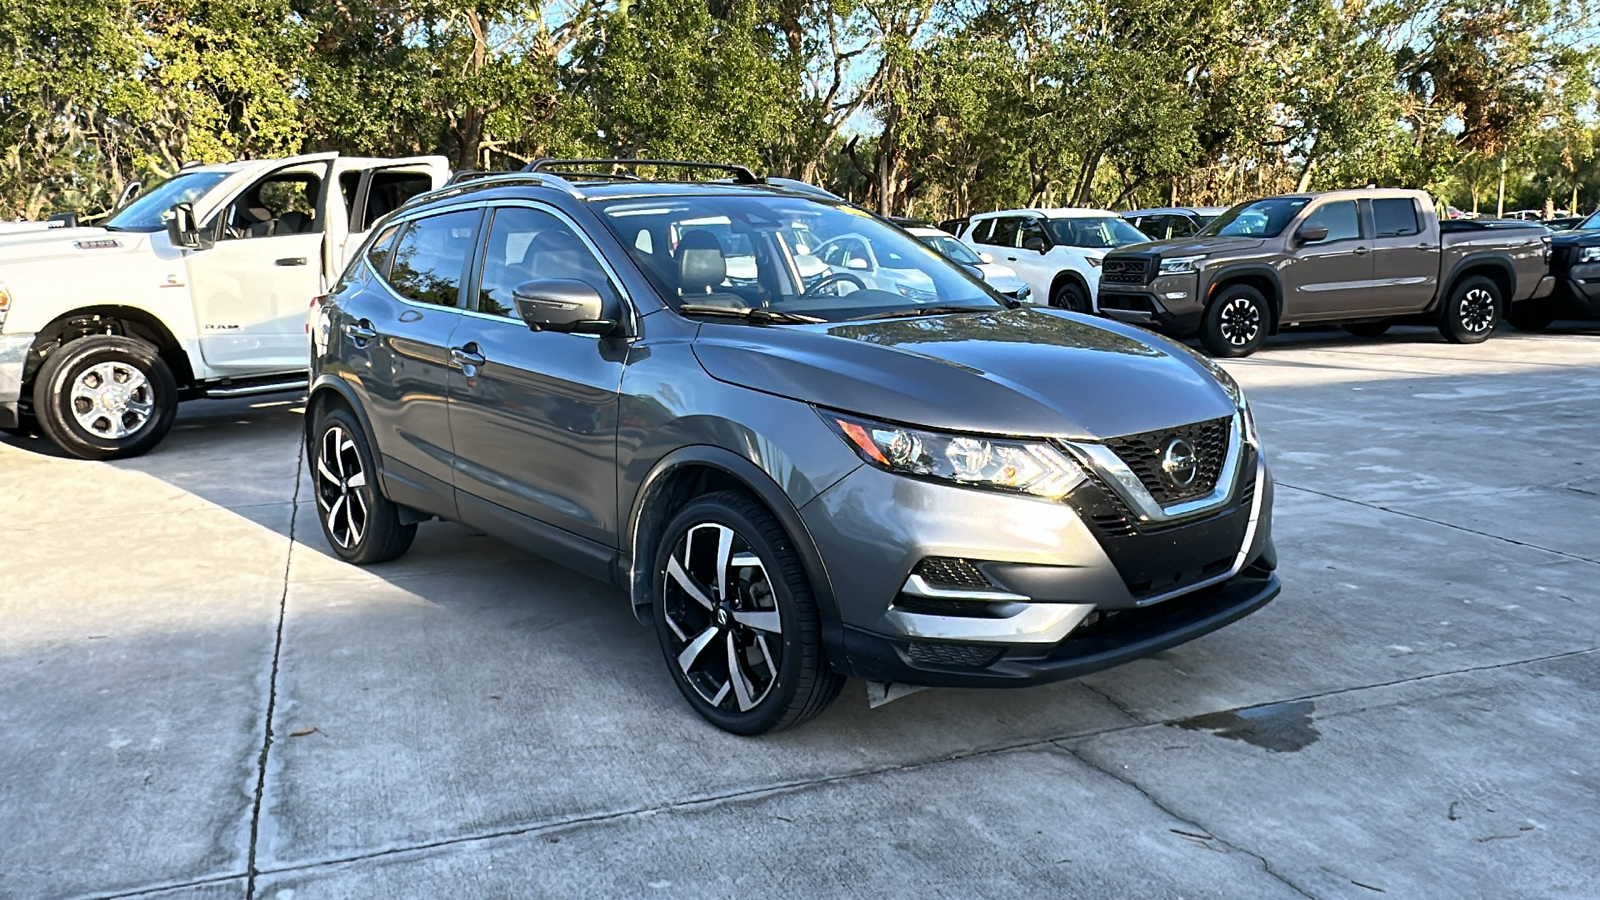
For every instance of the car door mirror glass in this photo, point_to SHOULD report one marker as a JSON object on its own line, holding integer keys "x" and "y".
{"x": 1311, "y": 234}
{"x": 855, "y": 262}
{"x": 563, "y": 304}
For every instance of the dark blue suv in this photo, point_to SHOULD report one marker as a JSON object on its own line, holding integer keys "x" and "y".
{"x": 805, "y": 445}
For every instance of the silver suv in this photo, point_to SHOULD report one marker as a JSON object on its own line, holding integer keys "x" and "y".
{"x": 795, "y": 473}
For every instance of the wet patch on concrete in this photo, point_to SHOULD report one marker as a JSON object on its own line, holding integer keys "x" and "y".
{"x": 1279, "y": 727}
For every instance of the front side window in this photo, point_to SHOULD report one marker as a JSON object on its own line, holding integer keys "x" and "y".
{"x": 149, "y": 211}
{"x": 1257, "y": 218}
{"x": 788, "y": 254}
{"x": 1031, "y": 234}
{"x": 1096, "y": 232}
{"x": 1339, "y": 217}
{"x": 431, "y": 255}
{"x": 1395, "y": 217}
{"x": 283, "y": 204}
{"x": 532, "y": 245}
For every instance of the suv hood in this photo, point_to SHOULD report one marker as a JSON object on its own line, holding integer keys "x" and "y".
{"x": 62, "y": 243}
{"x": 1193, "y": 246}
{"x": 1025, "y": 372}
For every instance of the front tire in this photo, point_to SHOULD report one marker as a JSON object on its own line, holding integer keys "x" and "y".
{"x": 1473, "y": 311}
{"x": 1236, "y": 322}
{"x": 360, "y": 523}
{"x": 105, "y": 397}
{"x": 736, "y": 618}
{"x": 1070, "y": 295}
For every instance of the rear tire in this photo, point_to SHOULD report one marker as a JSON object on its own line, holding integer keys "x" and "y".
{"x": 1531, "y": 315}
{"x": 736, "y": 618}
{"x": 1070, "y": 295}
{"x": 361, "y": 524}
{"x": 1473, "y": 311}
{"x": 105, "y": 397}
{"x": 1367, "y": 329}
{"x": 1236, "y": 323}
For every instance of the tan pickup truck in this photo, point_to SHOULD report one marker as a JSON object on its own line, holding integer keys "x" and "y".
{"x": 1363, "y": 259}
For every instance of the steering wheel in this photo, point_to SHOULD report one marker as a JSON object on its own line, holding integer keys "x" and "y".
{"x": 832, "y": 279}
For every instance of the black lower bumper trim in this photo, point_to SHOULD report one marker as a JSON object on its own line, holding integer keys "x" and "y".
{"x": 1147, "y": 310}
{"x": 879, "y": 658}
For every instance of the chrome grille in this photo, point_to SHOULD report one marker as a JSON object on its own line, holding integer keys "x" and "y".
{"x": 1143, "y": 453}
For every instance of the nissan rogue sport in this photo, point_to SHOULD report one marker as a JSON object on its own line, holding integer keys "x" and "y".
{"x": 795, "y": 473}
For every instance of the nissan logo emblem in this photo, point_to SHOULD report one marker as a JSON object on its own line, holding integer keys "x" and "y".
{"x": 1179, "y": 463}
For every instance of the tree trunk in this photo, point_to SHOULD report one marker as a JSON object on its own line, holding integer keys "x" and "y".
{"x": 1304, "y": 184}
{"x": 1500, "y": 202}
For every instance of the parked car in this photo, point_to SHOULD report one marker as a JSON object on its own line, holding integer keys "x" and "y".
{"x": 198, "y": 288}
{"x": 1575, "y": 270}
{"x": 1565, "y": 223}
{"x": 1172, "y": 221}
{"x": 1002, "y": 278}
{"x": 1056, "y": 251}
{"x": 1364, "y": 259}
{"x": 794, "y": 481}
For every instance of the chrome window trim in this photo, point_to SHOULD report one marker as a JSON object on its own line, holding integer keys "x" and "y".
{"x": 1113, "y": 471}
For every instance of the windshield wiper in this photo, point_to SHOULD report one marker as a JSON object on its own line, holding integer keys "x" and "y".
{"x": 921, "y": 311}
{"x": 749, "y": 314}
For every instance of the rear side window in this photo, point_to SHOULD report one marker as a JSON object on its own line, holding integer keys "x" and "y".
{"x": 1339, "y": 218}
{"x": 980, "y": 231}
{"x": 1395, "y": 217}
{"x": 430, "y": 256}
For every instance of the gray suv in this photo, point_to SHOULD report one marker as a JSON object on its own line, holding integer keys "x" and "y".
{"x": 795, "y": 470}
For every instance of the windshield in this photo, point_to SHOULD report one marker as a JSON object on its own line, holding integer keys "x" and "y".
{"x": 1258, "y": 218}
{"x": 954, "y": 249}
{"x": 786, "y": 255}
{"x": 149, "y": 211}
{"x": 1590, "y": 224}
{"x": 1102, "y": 232}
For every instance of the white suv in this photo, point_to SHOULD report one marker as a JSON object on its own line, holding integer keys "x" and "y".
{"x": 1056, "y": 251}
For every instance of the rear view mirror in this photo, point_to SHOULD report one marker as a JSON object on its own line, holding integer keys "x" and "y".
{"x": 181, "y": 228}
{"x": 1310, "y": 234}
{"x": 563, "y": 304}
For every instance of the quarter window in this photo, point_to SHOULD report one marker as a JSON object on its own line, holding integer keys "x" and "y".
{"x": 527, "y": 245}
{"x": 1339, "y": 218}
{"x": 1395, "y": 217}
{"x": 382, "y": 250}
{"x": 430, "y": 257}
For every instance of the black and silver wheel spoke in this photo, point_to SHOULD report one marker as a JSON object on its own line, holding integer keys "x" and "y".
{"x": 1477, "y": 310}
{"x": 339, "y": 478}
{"x": 1241, "y": 321}
{"x": 719, "y": 603}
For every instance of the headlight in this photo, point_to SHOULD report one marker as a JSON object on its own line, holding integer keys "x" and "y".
{"x": 1179, "y": 265}
{"x": 995, "y": 463}
{"x": 1589, "y": 254}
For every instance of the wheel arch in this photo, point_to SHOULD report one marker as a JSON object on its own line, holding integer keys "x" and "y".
{"x": 329, "y": 390}
{"x": 693, "y": 471}
{"x": 1263, "y": 278}
{"x": 1073, "y": 275}
{"x": 125, "y": 321}
{"x": 1497, "y": 267}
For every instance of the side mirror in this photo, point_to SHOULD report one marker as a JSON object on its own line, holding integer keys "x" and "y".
{"x": 181, "y": 228}
{"x": 563, "y": 304}
{"x": 986, "y": 257}
{"x": 855, "y": 262}
{"x": 1310, "y": 234}
{"x": 1034, "y": 242}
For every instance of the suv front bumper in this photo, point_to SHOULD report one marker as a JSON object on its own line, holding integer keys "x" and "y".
{"x": 1170, "y": 304}
{"x": 13, "y": 359}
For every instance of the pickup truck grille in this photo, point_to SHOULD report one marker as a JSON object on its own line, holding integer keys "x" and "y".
{"x": 1124, "y": 270}
{"x": 1143, "y": 454}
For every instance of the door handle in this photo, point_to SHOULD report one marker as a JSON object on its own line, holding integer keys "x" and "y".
{"x": 361, "y": 331}
{"x": 1360, "y": 251}
{"x": 1424, "y": 246}
{"x": 1011, "y": 259}
{"x": 468, "y": 355}
{"x": 290, "y": 261}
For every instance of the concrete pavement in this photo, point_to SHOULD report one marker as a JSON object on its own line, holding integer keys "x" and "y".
{"x": 1414, "y": 715}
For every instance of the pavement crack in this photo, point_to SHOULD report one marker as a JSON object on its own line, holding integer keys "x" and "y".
{"x": 1462, "y": 528}
{"x": 1115, "y": 703}
{"x": 1202, "y": 832}
{"x": 272, "y": 683}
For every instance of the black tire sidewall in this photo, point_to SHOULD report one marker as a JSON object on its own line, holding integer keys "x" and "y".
{"x": 52, "y": 399}
{"x": 794, "y": 601}
{"x": 1070, "y": 296}
{"x": 1450, "y": 324}
{"x": 1211, "y": 336}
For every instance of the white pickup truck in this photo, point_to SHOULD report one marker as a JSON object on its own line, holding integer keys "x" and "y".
{"x": 198, "y": 288}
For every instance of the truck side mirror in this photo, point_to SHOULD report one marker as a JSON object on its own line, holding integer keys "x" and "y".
{"x": 1310, "y": 234}
{"x": 181, "y": 228}
{"x": 565, "y": 305}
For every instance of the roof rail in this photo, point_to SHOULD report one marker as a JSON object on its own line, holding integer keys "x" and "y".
{"x": 741, "y": 174}
{"x": 474, "y": 180}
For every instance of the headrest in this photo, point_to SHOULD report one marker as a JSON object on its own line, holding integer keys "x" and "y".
{"x": 559, "y": 254}
{"x": 701, "y": 265}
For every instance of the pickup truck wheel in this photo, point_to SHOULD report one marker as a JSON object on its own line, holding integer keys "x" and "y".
{"x": 1531, "y": 315}
{"x": 1069, "y": 295}
{"x": 1367, "y": 329}
{"x": 361, "y": 524}
{"x": 1236, "y": 323}
{"x": 1473, "y": 311}
{"x": 105, "y": 397}
{"x": 736, "y": 618}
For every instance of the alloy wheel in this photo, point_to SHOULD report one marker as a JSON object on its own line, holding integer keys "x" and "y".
{"x": 1241, "y": 321}
{"x": 339, "y": 476}
{"x": 112, "y": 400}
{"x": 1477, "y": 310}
{"x": 718, "y": 601}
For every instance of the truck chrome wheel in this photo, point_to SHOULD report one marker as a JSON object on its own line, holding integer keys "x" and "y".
{"x": 339, "y": 477}
{"x": 112, "y": 400}
{"x": 1241, "y": 321}
{"x": 1477, "y": 310}
{"x": 719, "y": 604}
